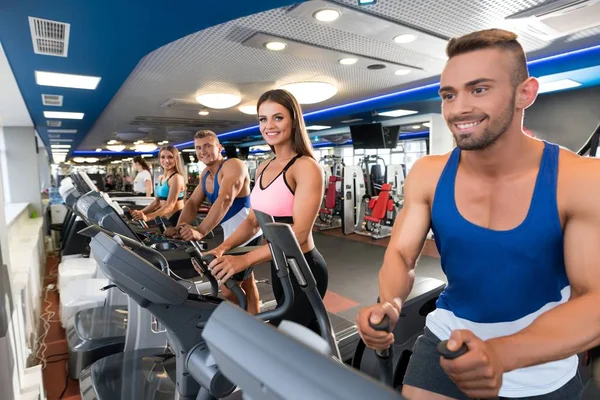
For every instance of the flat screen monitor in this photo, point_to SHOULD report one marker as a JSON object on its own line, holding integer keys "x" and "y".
{"x": 390, "y": 136}
{"x": 94, "y": 208}
{"x": 367, "y": 136}
{"x": 244, "y": 153}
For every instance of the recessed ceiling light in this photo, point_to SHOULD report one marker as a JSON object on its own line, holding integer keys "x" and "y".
{"x": 427, "y": 124}
{"x": 60, "y": 146}
{"x": 112, "y": 142}
{"x": 249, "y": 109}
{"x": 92, "y": 160}
{"x": 43, "y": 78}
{"x": 275, "y": 46}
{"x": 147, "y": 155}
{"x": 546, "y": 87}
{"x": 402, "y": 39}
{"x": 188, "y": 150}
{"x": 165, "y": 141}
{"x": 218, "y": 100}
{"x": 311, "y": 92}
{"x": 327, "y": 15}
{"x": 203, "y": 113}
{"x": 146, "y": 147}
{"x": 348, "y": 61}
{"x": 98, "y": 150}
{"x": 402, "y": 72}
{"x": 79, "y": 159}
{"x": 59, "y": 151}
{"x": 63, "y": 115}
{"x": 416, "y": 126}
{"x": 317, "y": 127}
{"x": 397, "y": 113}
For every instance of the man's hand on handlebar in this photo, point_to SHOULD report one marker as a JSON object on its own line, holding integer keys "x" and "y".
{"x": 187, "y": 232}
{"x": 377, "y": 340}
{"x": 217, "y": 252}
{"x": 172, "y": 231}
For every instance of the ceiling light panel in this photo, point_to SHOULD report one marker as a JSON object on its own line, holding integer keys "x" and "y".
{"x": 63, "y": 115}
{"x": 62, "y": 130}
{"x": 43, "y": 78}
{"x": 318, "y": 53}
{"x": 358, "y": 22}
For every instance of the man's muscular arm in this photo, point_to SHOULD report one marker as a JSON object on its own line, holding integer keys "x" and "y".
{"x": 396, "y": 276}
{"x": 572, "y": 327}
{"x": 234, "y": 173}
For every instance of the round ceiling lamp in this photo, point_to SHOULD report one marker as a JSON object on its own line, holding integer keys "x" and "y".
{"x": 311, "y": 92}
{"x": 92, "y": 160}
{"x": 116, "y": 147}
{"x": 249, "y": 109}
{"x": 327, "y": 15}
{"x": 79, "y": 159}
{"x": 402, "y": 39}
{"x": 348, "y": 61}
{"x": 275, "y": 46}
{"x": 218, "y": 100}
{"x": 203, "y": 113}
{"x": 145, "y": 147}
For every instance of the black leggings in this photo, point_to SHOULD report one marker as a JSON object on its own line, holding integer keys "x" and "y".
{"x": 301, "y": 311}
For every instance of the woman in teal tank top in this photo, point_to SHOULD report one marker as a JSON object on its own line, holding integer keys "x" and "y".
{"x": 169, "y": 190}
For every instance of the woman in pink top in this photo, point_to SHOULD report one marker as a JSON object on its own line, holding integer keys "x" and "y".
{"x": 288, "y": 187}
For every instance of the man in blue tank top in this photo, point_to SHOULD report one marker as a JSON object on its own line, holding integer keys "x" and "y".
{"x": 225, "y": 183}
{"x": 517, "y": 225}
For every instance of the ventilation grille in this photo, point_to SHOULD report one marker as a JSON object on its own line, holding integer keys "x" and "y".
{"x": 55, "y": 124}
{"x": 50, "y": 38}
{"x": 169, "y": 122}
{"x": 62, "y": 130}
{"x": 52, "y": 100}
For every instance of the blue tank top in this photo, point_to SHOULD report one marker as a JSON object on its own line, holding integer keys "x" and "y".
{"x": 499, "y": 282}
{"x": 238, "y": 204}
{"x": 499, "y": 276}
{"x": 162, "y": 189}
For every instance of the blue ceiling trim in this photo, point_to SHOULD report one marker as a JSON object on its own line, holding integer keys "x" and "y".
{"x": 559, "y": 63}
{"x": 107, "y": 39}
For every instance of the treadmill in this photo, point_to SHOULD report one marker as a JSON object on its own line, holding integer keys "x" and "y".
{"x": 157, "y": 373}
{"x": 207, "y": 342}
{"x": 100, "y": 331}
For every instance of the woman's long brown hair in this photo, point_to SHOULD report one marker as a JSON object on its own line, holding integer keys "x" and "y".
{"x": 300, "y": 140}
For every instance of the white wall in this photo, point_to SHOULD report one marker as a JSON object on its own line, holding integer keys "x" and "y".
{"x": 20, "y": 166}
{"x": 441, "y": 140}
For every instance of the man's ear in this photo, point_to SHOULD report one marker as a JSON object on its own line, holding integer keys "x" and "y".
{"x": 527, "y": 92}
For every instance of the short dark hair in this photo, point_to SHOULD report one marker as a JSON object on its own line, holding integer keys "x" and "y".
{"x": 142, "y": 162}
{"x": 206, "y": 133}
{"x": 492, "y": 39}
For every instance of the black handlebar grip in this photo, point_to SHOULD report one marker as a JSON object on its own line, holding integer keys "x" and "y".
{"x": 451, "y": 355}
{"x": 384, "y": 325}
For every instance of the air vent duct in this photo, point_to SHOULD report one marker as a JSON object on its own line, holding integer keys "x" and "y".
{"x": 50, "y": 38}
{"x": 53, "y": 100}
{"x": 54, "y": 124}
{"x": 558, "y": 18}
